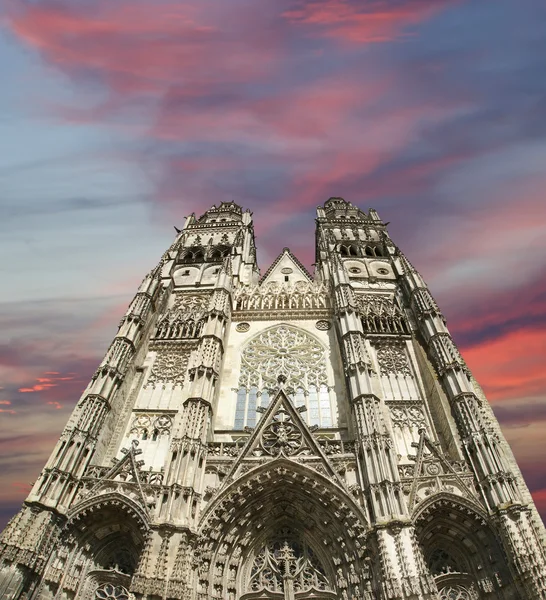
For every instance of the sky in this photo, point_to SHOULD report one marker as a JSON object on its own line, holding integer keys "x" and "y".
{"x": 118, "y": 119}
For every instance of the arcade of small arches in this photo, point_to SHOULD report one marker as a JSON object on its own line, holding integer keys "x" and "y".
{"x": 198, "y": 254}
{"x": 356, "y": 250}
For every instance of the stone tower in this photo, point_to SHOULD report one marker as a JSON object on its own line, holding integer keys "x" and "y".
{"x": 279, "y": 437}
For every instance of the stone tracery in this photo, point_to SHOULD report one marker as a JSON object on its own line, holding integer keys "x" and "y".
{"x": 296, "y": 356}
{"x": 108, "y": 591}
{"x": 287, "y": 561}
{"x": 274, "y": 296}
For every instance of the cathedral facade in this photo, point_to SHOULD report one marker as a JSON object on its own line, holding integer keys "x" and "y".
{"x": 279, "y": 436}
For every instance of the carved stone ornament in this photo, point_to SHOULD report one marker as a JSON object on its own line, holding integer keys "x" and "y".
{"x": 392, "y": 359}
{"x": 150, "y": 422}
{"x": 287, "y": 351}
{"x": 169, "y": 367}
{"x": 108, "y": 591}
{"x": 242, "y": 327}
{"x": 323, "y": 325}
{"x": 411, "y": 416}
{"x": 284, "y": 562}
{"x": 190, "y": 302}
{"x": 281, "y": 436}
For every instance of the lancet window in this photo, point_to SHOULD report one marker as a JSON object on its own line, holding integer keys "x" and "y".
{"x": 381, "y": 314}
{"x": 184, "y": 320}
{"x": 300, "y": 359}
{"x": 219, "y": 252}
{"x": 360, "y": 251}
{"x": 195, "y": 254}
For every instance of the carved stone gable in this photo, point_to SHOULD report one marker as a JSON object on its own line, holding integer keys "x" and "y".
{"x": 281, "y": 433}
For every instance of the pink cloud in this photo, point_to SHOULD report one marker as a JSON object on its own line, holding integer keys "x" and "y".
{"x": 362, "y": 22}
{"x": 511, "y": 366}
{"x": 539, "y": 497}
{"x": 109, "y": 38}
{"x": 45, "y": 383}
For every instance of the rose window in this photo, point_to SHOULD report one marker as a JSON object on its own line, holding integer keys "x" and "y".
{"x": 296, "y": 356}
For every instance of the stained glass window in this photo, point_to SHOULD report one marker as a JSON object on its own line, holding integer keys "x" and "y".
{"x": 294, "y": 354}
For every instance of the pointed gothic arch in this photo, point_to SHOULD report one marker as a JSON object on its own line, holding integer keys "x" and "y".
{"x": 99, "y": 547}
{"x": 317, "y": 518}
{"x": 462, "y": 550}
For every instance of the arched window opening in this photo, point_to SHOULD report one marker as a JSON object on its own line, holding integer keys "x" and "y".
{"x": 60, "y": 449}
{"x": 382, "y": 314}
{"x": 144, "y": 434}
{"x": 283, "y": 350}
{"x": 369, "y": 251}
{"x": 155, "y": 435}
{"x": 344, "y": 250}
{"x": 193, "y": 255}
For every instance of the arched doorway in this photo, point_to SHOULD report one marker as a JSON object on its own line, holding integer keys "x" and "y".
{"x": 283, "y": 531}
{"x": 462, "y": 551}
{"x": 99, "y": 549}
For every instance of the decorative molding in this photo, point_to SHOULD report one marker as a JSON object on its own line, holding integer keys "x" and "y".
{"x": 302, "y": 296}
{"x": 169, "y": 367}
{"x": 392, "y": 358}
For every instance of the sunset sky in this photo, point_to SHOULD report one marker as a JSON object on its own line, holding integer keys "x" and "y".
{"x": 119, "y": 118}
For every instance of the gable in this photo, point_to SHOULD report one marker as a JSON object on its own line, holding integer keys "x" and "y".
{"x": 286, "y": 268}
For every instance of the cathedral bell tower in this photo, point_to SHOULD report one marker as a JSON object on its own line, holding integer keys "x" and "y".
{"x": 283, "y": 436}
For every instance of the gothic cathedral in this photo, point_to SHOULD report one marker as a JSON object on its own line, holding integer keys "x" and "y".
{"x": 279, "y": 436}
